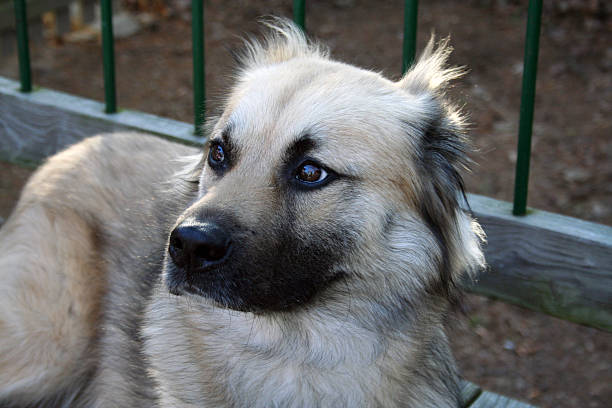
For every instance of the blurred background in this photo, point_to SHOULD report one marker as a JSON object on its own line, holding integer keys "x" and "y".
{"x": 533, "y": 357}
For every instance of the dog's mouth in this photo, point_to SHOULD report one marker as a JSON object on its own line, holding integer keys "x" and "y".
{"x": 190, "y": 290}
{"x": 213, "y": 281}
{"x": 245, "y": 289}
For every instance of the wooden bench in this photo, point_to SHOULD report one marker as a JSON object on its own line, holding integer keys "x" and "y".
{"x": 546, "y": 262}
{"x": 472, "y": 396}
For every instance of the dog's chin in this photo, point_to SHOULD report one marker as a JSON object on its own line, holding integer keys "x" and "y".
{"x": 177, "y": 284}
{"x": 209, "y": 300}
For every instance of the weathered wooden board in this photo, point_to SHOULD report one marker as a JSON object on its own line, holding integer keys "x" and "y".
{"x": 547, "y": 262}
{"x": 36, "y": 125}
{"x": 490, "y": 400}
{"x": 469, "y": 393}
{"x": 472, "y": 396}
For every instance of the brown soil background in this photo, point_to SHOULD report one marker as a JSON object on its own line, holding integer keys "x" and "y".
{"x": 527, "y": 355}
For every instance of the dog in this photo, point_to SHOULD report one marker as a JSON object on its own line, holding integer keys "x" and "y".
{"x": 307, "y": 258}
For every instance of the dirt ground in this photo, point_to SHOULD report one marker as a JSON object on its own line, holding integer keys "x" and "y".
{"x": 539, "y": 359}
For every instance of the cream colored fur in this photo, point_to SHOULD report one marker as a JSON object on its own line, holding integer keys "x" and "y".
{"x": 79, "y": 256}
{"x": 343, "y": 350}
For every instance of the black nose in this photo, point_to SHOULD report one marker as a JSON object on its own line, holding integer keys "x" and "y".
{"x": 198, "y": 245}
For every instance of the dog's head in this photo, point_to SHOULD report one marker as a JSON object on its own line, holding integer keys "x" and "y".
{"x": 318, "y": 175}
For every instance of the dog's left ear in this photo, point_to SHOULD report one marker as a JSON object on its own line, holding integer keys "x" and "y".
{"x": 442, "y": 155}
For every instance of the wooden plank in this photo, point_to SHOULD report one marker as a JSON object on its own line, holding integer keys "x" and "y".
{"x": 36, "y": 125}
{"x": 469, "y": 393}
{"x": 547, "y": 262}
{"x": 35, "y": 8}
{"x": 491, "y": 400}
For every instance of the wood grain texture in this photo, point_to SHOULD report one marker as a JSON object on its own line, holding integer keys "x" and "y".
{"x": 491, "y": 400}
{"x": 547, "y": 262}
{"x": 39, "y": 124}
{"x": 469, "y": 393}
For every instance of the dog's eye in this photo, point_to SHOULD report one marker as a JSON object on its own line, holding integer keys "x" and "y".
{"x": 216, "y": 155}
{"x": 310, "y": 173}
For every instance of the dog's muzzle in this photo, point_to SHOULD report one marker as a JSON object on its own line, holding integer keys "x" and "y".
{"x": 198, "y": 246}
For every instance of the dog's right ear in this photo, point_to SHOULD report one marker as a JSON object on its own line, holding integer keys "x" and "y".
{"x": 442, "y": 155}
{"x": 283, "y": 41}
{"x": 443, "y": 151}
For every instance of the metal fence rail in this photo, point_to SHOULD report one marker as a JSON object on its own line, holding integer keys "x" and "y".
{"x": 530, "y": 69}
{"x": 411, "y": 8}
{"x": 108, "y": 56}
{"x": 299, "y": 13}
{"x": 197, "y": 38}
{"x": 21, "y": 19}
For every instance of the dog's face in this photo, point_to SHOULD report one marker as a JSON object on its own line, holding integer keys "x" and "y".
{"x": 312, "y": 172}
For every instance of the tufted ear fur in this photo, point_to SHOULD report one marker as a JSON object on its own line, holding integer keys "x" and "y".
{"x": 282, "y": 41}
{"x": 442, "y": 155}
{"x": 430, "y": 72}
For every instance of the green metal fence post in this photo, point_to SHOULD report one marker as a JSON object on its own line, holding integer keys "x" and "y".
{"x": 197, "y": 38}
{"x": 530, "y": 68}
{"x": 21, "y": 20}
{"x": 108, "y": 56}
{"x": 411, "y": 9}
{"x": 299, "y": 13}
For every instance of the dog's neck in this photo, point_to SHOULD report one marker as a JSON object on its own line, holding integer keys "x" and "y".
{"x": 321, "y": 357}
